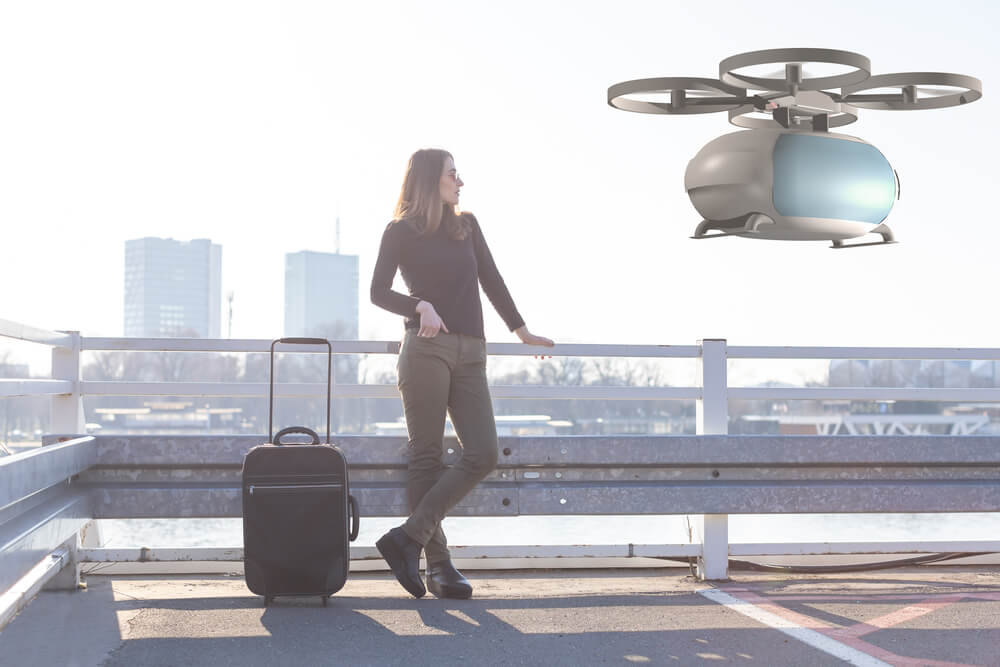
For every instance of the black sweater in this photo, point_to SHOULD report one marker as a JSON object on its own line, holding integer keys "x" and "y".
{"x": 444, "y": 272}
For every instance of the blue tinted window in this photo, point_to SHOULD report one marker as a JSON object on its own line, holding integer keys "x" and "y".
{"x": 825, "y": 177}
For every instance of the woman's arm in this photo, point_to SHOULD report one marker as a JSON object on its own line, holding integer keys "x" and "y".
{"x": 382, "y": 294}
{"x": 493, "y": 284}
{"x": 497, "y": 292}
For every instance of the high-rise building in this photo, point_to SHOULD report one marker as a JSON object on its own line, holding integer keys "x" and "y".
{"x": 173, "y": 288}
{"x": 321, "y": 295}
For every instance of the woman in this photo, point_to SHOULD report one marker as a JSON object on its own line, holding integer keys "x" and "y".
{"x": 443, "y": 259}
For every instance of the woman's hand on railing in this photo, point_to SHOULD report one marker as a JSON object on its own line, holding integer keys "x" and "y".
{"x": 529, "y": 338}
{"x": 430, "y": 322}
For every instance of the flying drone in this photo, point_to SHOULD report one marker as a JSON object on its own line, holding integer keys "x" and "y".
{"x": 789, "y": 177}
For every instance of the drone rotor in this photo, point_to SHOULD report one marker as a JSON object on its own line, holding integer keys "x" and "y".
{"x": 676, "y": 95}
{"x": 905, "y": 91}
{"x": 801, "y": 95}
{"x": 795, "y": 61}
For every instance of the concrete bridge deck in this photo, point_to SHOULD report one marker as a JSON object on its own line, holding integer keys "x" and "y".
{"x": 945, "y": 615}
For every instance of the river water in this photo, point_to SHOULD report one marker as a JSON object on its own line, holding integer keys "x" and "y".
{"x": 593, "y": 530}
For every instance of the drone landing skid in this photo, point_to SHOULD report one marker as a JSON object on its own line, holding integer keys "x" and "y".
{"x": 882, "y": 230}
{"x": 839, "y": 245}
{"x": 720, "y": 235}
{"x": 744, "y": 225}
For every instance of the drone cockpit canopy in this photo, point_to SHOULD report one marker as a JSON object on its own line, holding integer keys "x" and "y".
{"x": 790, "y": 178}
{"x": 802, "y": 186}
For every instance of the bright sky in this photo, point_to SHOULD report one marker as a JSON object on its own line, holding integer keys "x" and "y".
{"x": 255, "y": 124}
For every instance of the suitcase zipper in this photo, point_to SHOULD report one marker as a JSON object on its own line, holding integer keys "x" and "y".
{"x": 292, "y": 487}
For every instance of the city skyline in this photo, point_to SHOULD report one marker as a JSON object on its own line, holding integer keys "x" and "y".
{"x": 275, "y": 119}
{"x": 321, "y": 294}
{"x": 172, "y": 288}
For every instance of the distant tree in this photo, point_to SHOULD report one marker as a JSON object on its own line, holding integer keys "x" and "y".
{"x": 564, "y": 371}
{"x": 571, "y": 371}
{"x": 21, "y": 413}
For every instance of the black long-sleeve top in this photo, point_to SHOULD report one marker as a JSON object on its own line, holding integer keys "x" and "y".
{"x": 443, "y": 271}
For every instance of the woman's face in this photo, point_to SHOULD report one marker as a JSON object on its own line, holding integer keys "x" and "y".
{"x": 450, "y": 183}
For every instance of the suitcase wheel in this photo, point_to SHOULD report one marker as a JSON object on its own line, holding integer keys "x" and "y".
{"x": 325, "y": 600}
{"x": 267, "y": 600}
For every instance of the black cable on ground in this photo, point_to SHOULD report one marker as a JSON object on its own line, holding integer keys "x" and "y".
{"x": 735, "y": 564}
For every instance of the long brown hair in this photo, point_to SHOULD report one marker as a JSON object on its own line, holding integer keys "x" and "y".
{"x": 420, "y": 196}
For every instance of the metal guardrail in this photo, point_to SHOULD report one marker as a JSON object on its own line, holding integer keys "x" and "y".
{"x": 611, "y": 477}
{"x": 199, "y": 476}
{"x": 50, "y": 494}
{"x": 42, "y": 511}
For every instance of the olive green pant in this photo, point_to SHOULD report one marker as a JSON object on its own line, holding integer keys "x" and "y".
{"x": 439, "y": 374}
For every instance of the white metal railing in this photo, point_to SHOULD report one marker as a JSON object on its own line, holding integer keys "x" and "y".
{"x": 711, "y": 393}
{"x": 67, "y": 347}
{"x": 250, "y": 389}
{"x": 31, "y": 334}
{"x": 64, "y": 386}
{"x": 10, "y": 388}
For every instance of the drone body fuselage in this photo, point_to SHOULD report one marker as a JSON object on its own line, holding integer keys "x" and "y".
{"x": 790, "y": 185}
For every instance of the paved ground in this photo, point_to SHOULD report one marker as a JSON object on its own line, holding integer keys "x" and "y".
{"x": 918, "y": 616}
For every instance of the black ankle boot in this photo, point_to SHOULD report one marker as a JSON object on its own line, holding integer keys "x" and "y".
{"x": 402, "y": 553}
{"x": 445, "y": 581}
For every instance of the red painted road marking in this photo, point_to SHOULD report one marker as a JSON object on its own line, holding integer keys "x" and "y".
{"x": 849, "y": 597}
{"x": 850, "y": 636}
{"x": 816, "y": 640}
{"x": 787, "y": 614}
{"x": 895, "y": 618}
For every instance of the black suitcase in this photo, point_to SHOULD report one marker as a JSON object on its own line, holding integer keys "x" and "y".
{"x": 297, "y": 508}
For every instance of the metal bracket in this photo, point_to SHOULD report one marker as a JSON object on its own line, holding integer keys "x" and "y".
{"x": 744, "y": 225}
{"x": 720, "y": 235}
{"x": 883, "y": 230}
{"x": 839, "y": 245}
{"x": 783, "y": 116}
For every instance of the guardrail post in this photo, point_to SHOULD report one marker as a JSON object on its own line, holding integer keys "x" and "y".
{"x": 67, "y": 411}
{"x": 68, "y": 578}
{"x": 713, "y": 419}
{"x": 91, "y": 535}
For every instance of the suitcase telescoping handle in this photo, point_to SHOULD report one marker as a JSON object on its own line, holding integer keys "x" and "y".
{"x": 270, "y": 393}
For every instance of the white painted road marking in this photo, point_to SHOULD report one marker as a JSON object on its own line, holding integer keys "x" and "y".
{"x": 811, "y": 637}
